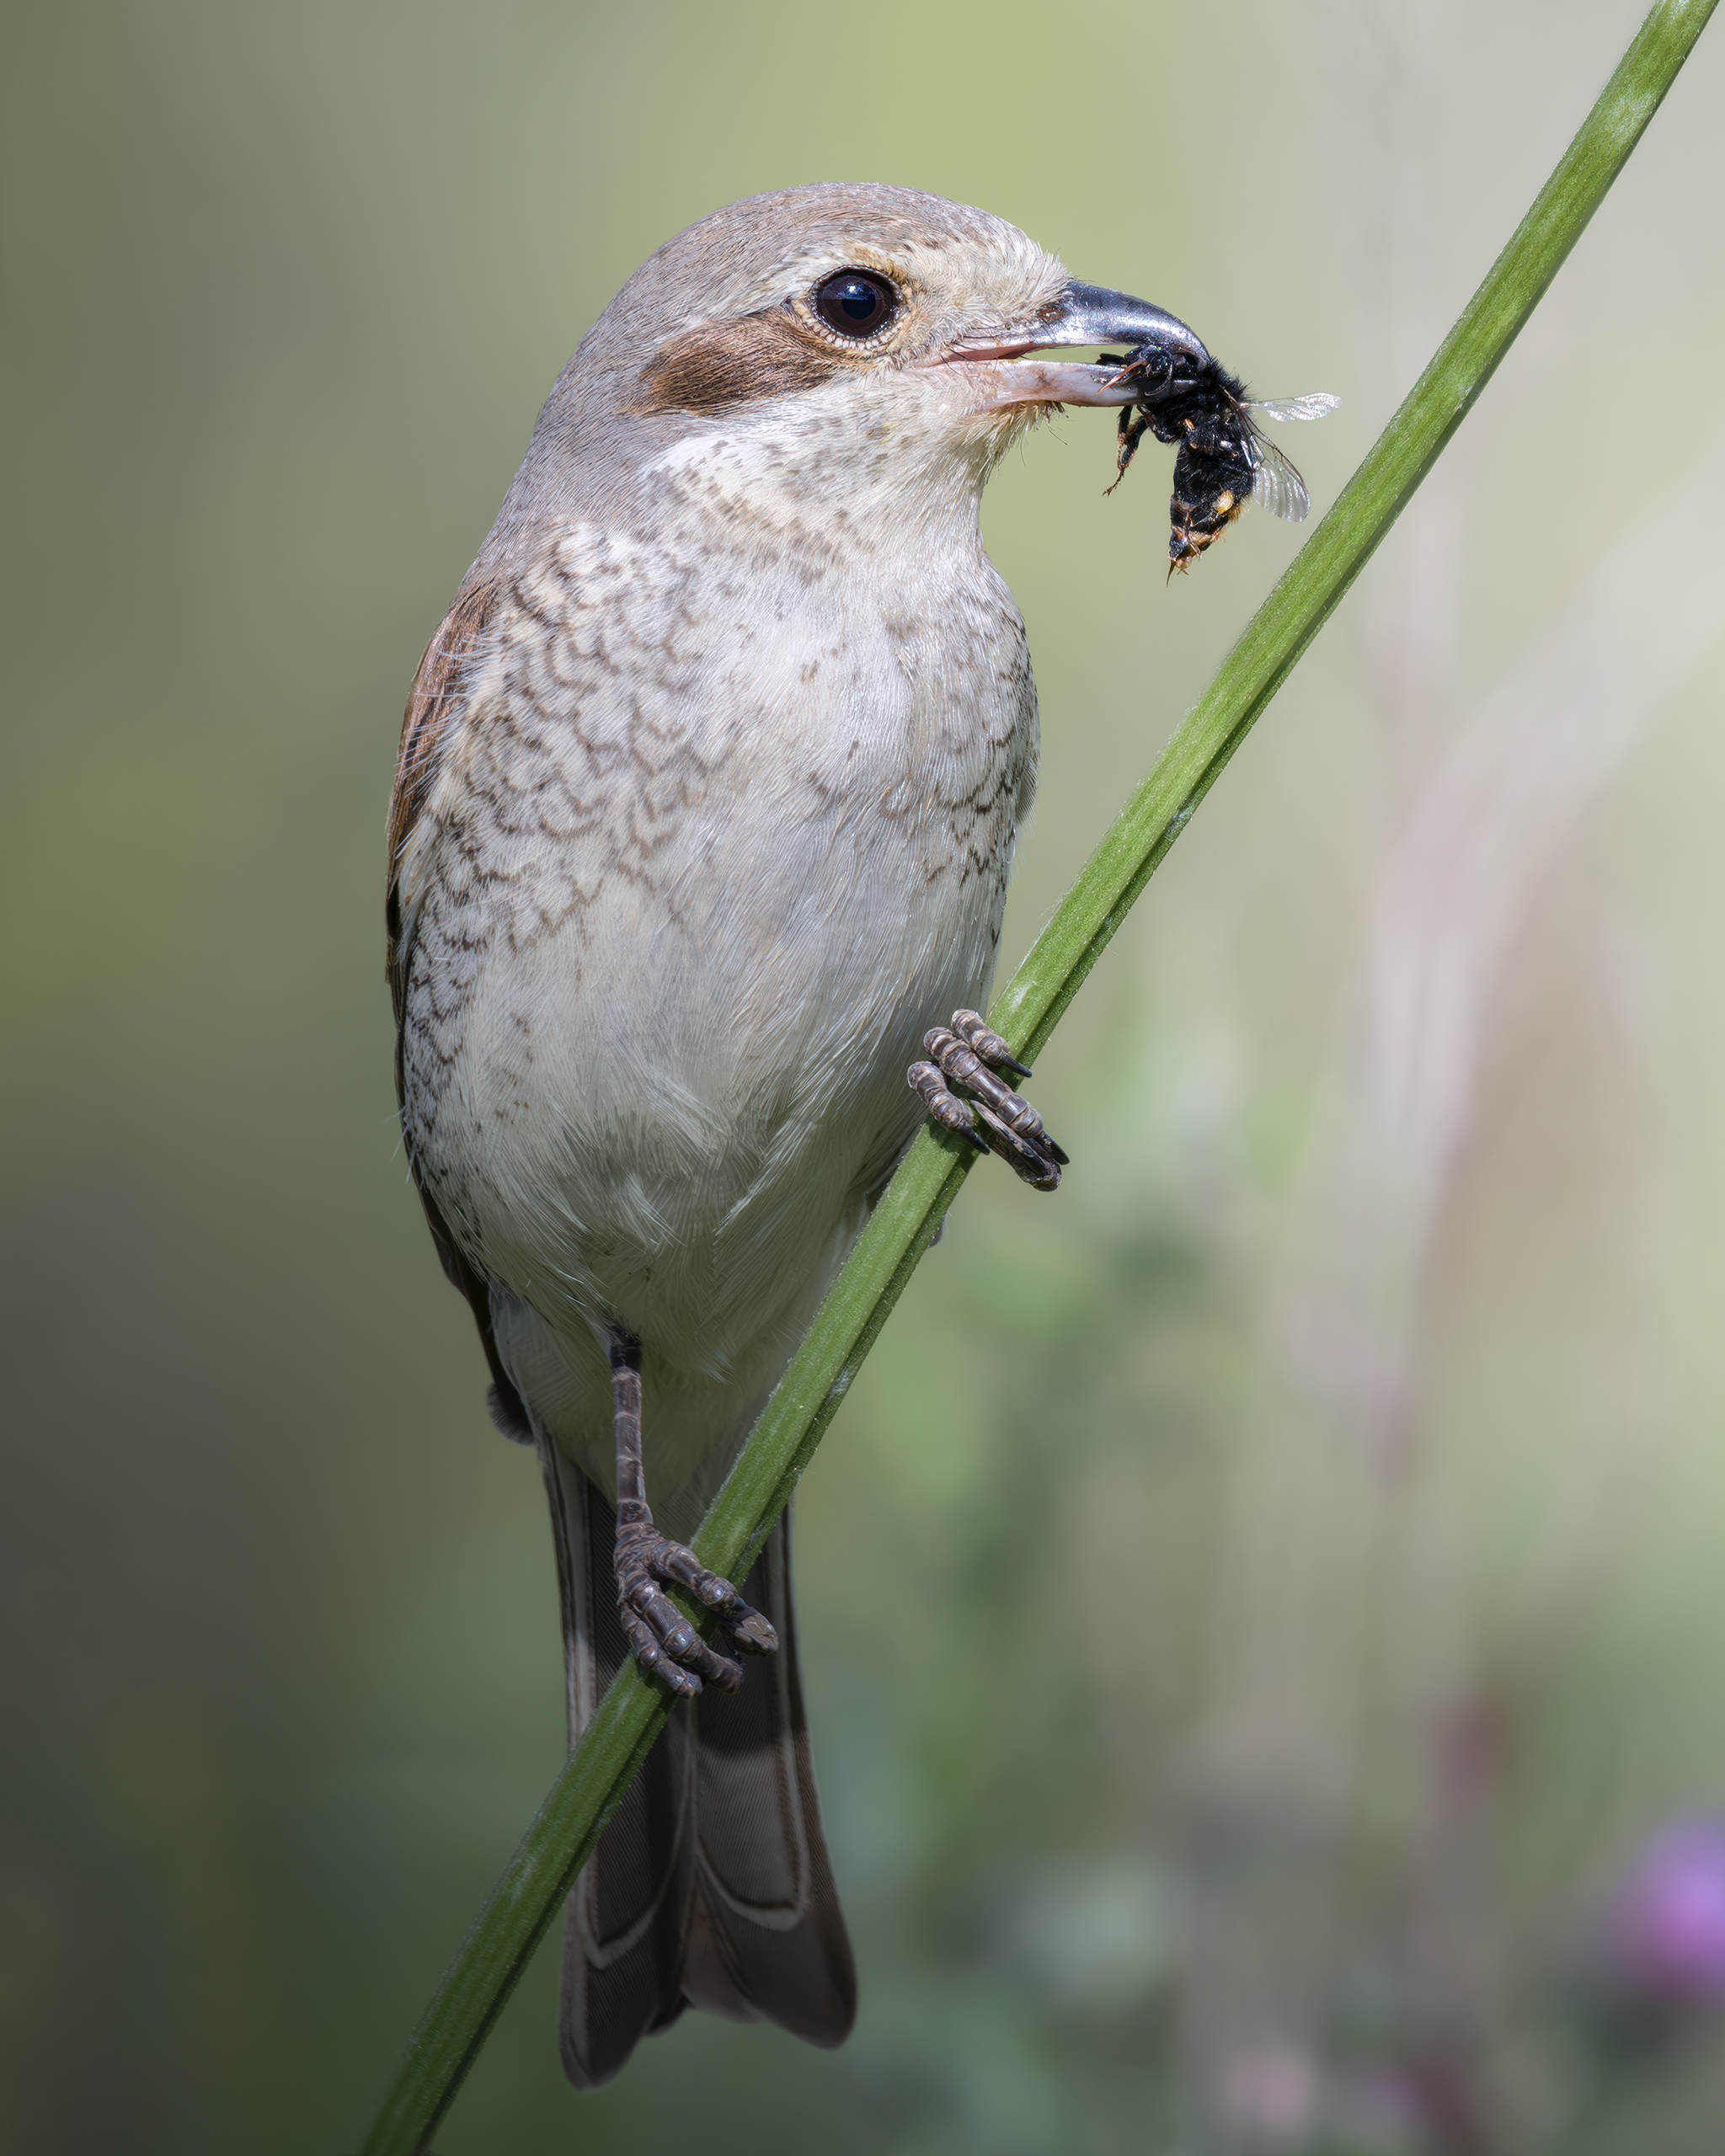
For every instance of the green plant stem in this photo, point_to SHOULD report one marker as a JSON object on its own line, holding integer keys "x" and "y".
{"x": 562, "y": 1834}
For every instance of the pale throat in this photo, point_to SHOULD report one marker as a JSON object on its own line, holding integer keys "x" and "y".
{"x": 893, "y": 463}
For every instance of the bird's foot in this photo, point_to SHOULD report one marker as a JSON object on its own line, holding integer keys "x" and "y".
{"x": 662, "y": 1640}
{"x": 997, "y": 1120}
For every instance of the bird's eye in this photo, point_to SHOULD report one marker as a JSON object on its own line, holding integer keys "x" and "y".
{"x": 855, "y": 305}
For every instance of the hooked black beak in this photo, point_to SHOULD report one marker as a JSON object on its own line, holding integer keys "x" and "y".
{"x": 1091, "y": 314}
{"x": 1084, "y": 314}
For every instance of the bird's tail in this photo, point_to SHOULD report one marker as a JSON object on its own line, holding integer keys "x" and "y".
{"x": 711, "y": 1886}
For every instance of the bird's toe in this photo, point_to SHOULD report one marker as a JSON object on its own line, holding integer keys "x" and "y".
{"x": 988, "y": 1114}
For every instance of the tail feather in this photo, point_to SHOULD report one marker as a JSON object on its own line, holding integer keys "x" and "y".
{"x": 767, "y": 1937}
{"x": 711, "y": 1886}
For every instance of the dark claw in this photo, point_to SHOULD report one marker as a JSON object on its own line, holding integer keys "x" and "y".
{"x": 965, "y": 1066}
{"x": 1030, "y": 1161}
{"x": 750, "y": 1630}
{"x": 997, "y": 1119}
{"x": 972, "y": 1026}
{"x": 948, "y": 1111}
{"x": 664, "y": 1641}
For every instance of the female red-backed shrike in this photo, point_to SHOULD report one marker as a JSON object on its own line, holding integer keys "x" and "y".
{"x": 708, "y": 793}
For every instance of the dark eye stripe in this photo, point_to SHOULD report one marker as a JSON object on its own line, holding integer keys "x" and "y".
{"x": 856, "y": 303}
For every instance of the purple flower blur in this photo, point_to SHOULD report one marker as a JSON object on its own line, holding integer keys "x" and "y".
{"x": 1660, "y": 1954}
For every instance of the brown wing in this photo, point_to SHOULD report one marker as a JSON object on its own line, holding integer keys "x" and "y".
{"x": 432, "y": 702}
{"x": 435, "y": 696}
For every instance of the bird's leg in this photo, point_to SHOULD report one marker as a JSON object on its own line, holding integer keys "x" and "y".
{"x": 664, "y": 1641}
{"x": 997, "y": 1120}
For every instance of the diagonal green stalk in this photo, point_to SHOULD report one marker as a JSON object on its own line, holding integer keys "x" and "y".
{"x": 562, "y": 1834}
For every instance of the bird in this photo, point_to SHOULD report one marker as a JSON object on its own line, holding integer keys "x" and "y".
{"x": 707, "y": 792}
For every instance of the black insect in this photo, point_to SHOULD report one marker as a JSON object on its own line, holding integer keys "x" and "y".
{"x": 1225, "y": 459}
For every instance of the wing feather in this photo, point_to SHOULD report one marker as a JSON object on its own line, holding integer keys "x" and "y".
{"x": 432, "y": 702}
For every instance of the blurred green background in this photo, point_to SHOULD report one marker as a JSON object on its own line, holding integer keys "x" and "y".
{"x": 1253, "y": 1602}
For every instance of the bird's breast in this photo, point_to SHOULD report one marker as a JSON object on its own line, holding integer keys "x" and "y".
{"x": 717, "y": 833}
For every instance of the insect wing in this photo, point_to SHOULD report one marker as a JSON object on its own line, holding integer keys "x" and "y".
{"x": 1296, "y": 407}
{"x": 1276, "y": 486}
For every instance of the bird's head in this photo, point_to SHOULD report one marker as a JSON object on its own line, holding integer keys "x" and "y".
{"x": 890, "y": 330}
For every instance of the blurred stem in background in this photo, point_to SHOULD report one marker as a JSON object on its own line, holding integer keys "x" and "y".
{"x": 562, "y": 1836}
